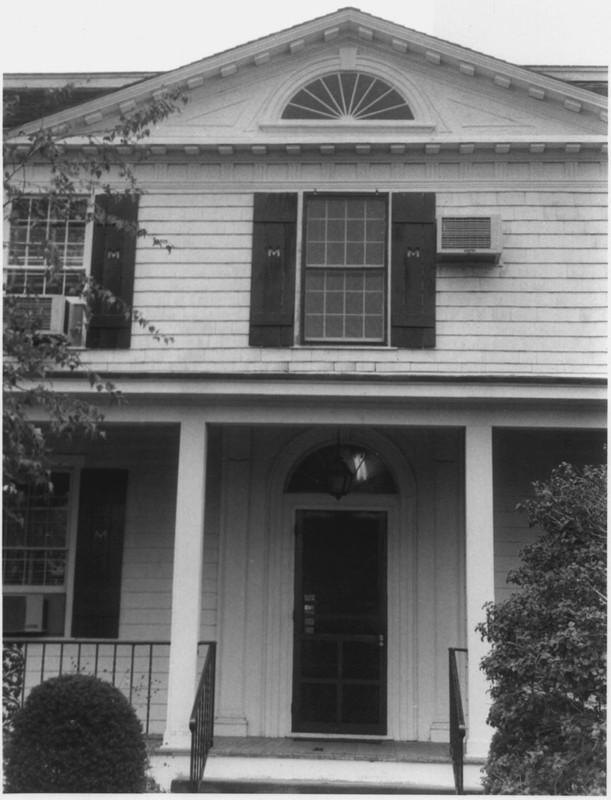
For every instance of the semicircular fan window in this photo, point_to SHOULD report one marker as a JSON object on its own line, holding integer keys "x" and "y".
{"x": 347, "y": 95}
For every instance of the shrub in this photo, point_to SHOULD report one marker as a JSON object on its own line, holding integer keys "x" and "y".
{"x": 12, "y": 682}
{"x": 76, "y": 733}
{"x": 547, "y": 660}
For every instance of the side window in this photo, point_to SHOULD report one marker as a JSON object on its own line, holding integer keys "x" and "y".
{"x": 45, "y": 232}
{"x": 35, "y": 560}
{"x": 345, "y": 269}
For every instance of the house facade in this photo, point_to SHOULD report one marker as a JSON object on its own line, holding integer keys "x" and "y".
{"x": 385, "y": 294}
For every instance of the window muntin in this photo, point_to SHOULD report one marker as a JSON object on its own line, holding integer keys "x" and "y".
{"x": 35, "y": 548}
{"x": 45, "y": 232}
{"x": 345, "y": 269}
{"x": 348, "y": 95}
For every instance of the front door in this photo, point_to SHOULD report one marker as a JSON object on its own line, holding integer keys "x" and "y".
{"x": 339, "y": 673}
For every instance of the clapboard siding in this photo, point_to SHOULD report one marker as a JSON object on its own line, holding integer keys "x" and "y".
{"x": 150, "y": 454}
{"x": 542, "y": 310}
{"x": 521, "y": 458}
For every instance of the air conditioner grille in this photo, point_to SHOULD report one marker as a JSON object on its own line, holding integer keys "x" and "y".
{"x": 13, "y": 613}
{"x": 466, "y": 233}
{"x": 40, "y": 309}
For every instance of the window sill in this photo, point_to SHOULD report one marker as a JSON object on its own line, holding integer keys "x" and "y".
{"x": 374, "y": 348}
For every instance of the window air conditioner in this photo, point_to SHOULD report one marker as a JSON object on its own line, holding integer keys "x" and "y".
{"x": 469, "y": 239}
{"x": 23, "y": 613}
{"x": 58, "y": 314}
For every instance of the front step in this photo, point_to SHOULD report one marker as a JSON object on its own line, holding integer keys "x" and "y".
{"x": 268, "y": 766}
{"x": 309, "y": 787}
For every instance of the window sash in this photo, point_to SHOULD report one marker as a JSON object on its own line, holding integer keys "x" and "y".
{"x": 35, "y": 553}
{"x": 345, "y": 256}
{"x": 45, "y": 231}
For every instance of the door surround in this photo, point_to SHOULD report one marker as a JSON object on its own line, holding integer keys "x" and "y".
{"x": 278, "y": 625}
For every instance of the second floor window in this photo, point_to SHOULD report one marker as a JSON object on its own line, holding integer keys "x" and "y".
{"x": 345, "y": 269}
{"x": 47, "y": 245}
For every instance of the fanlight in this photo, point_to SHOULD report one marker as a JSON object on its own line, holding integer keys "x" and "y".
{"x": 348, "y": 95}
{"x": 340, "y": 469}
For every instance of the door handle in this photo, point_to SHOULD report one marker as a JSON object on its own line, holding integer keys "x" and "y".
{"x": 381, "y": 640}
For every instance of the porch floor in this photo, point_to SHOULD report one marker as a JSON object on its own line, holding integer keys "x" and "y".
{"x": 331, "y": 749}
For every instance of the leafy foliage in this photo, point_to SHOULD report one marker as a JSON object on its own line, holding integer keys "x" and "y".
{"x": 547, "y": 664}
{"x": 12, "y": 682}
{"x": 76, "y": 733}
{"x": 104, "y": 162}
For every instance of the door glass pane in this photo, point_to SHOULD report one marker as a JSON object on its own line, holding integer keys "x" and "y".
{"x": 361, "y": 660}
{"x": 319, "y": 659}
{"x": 318, "y": 703}
{"x": 361, "y": 704}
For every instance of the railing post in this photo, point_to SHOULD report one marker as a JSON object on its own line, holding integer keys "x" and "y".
{"x": 457, "y": 720}
{"x": 201, "y": 722}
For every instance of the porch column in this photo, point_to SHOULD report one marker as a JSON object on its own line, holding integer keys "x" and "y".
{"x": 186, "y": 581}
{"x": 479, "y": 576}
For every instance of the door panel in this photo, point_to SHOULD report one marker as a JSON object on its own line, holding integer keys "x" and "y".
{"x": 339, "y": 676}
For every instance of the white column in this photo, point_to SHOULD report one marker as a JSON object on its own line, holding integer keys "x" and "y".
{"x": 186, "y": 582}
{"x": 479, "y": 577}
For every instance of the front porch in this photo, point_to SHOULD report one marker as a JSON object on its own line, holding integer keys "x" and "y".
{"x": 324, "y": 765}
{"x": 211, "y": 552}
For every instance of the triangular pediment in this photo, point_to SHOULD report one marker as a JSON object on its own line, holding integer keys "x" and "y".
{"x": 237, "y": 97}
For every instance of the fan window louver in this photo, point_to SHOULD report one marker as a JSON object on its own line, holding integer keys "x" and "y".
{"x": 348, "y": 95}
{"x": 466, "y": 233}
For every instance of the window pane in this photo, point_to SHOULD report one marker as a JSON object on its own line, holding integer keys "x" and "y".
{"x": 335, "y": 254}
{"x": 355, "y": 230}
{"x": 42, "y": 230}
{"x": 314, "y": 326}
{"x": 355, "y": 255}
{"x": 35, "y": 551}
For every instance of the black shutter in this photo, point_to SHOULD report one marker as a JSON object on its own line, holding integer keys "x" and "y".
{"x": 272, "y": 293}
{"x": 113, "y": 260}
{"x": 99, "y": 553}
{"x": 413, "y": 258}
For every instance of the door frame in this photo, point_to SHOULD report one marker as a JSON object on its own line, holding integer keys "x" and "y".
{"x": 380, "y": 530}
{"x": 276, "y": 629}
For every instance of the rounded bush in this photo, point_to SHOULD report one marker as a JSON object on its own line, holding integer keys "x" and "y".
{"x": 76, "y": 733}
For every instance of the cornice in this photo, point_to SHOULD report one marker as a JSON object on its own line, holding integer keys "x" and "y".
{"x": 358, "y": 144}
{"x": 344, "y": 24}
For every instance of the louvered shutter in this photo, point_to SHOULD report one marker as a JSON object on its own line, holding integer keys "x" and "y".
{"x": 272, "y": 294}
{"x": 113, "y": 261}
{"x": 413, "y": 267}
{"x": 99, "y": 553}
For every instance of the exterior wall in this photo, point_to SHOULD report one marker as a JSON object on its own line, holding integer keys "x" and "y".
{"x": 521, "y": 458}
{"x": 541, "y": 312}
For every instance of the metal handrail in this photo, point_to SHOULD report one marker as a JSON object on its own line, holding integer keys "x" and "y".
{"x": 458, "y": 728}
{"x": 201, "y": 723}
{"x": 50, "y": 657}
